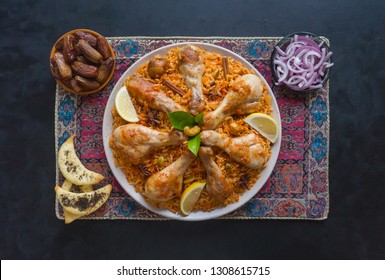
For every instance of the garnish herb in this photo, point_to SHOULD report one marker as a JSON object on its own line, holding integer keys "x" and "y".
{"x": 181, "y": 119}
{"x": 199, "y": 118}
{"x": 194, "y": 144}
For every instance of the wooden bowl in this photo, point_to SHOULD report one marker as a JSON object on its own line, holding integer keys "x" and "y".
{"x": 53, "y": 51}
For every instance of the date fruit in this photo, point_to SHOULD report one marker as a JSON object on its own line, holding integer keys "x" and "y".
{"x": 87, "y": 84}
{"x": 103, "y": 47}
{"x": 89, "y": 52}
{"x": 59, "y": 45}
{"x": 85, "y": 70}
{"x": 105, "y": 69}
{"x": 64, "y": 69}
{"x": 54, "y": 69}
{"x": 75, "y": 85}
{"x": 91, "y": 39}
{"x": 82, "y": 59}
{"x": 68, "y": 48}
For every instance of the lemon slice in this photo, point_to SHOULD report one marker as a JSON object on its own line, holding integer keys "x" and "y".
{"x": 264, "y": 124}
{"x": 124, "y": 106}
{"x": 190, "y": 196}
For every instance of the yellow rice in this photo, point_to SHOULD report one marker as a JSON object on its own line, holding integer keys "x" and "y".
{"x": 214, "y": 88}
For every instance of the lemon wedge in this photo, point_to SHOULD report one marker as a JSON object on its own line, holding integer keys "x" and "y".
{"x": 190, "y": 196}
{"x": 264, "y": 124}
{"x": 124, "y": 106}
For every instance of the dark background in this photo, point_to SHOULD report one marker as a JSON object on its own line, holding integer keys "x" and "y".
{"x": 355, "y": 228}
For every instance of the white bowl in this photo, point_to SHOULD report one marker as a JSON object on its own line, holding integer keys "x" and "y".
{"x": 120, "y": 176}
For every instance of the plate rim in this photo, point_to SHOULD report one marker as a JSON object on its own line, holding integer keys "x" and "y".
{"x": 199, "y": 215}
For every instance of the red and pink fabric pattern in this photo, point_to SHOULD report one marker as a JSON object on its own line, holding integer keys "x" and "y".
{"x": 298, "y": 187}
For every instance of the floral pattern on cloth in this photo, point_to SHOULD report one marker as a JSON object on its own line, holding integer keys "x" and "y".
{"x": 298, "y": 187}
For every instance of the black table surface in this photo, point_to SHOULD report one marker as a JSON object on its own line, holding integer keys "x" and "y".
{"x": 355, "y": 228}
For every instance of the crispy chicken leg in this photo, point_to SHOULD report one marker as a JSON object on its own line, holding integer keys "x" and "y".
{"x": 249, "y": 108}
{"x": 137, "y": 140}
{"x": 167, "y": 183}
{"x": 142, "y": 90}
{"x": 216, "y": 183}
{"x": 246, "y": 89}
{"x": 192, "y": 68}
{"x": 244, "y": 149}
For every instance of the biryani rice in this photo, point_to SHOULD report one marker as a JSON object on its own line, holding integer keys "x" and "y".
{"x": 214, "y": 88}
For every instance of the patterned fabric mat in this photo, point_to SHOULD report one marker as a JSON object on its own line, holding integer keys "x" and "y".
{"x": 298, "y": 187}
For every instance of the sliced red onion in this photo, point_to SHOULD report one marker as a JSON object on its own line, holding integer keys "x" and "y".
{"x": 302, "y": 65}
{"x": 307, "y": 40}
{"x": 284, "y": 71}
{"x": 323, "y": 53}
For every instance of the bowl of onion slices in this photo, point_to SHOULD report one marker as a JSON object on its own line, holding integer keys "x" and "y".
{"x": 301, "y": 61}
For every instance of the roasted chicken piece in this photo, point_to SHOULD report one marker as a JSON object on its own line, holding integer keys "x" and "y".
{"x": 217, "y": 185}
{"x": 249, "y": 108}
{"x": 192, "y": 68}
{"x": 245, "y": 149}
{"x": 137, "y": 140}
{"x": 246, "y": 89}
{"x": 157, "y": 67}
{"x": 167, "y": 183}
{"x": 143, "y": 91}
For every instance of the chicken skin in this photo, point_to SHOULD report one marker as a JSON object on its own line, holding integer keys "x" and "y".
{"x": 245, "y": 149}
{"x": 137, "y": 140}
{"x": 246, "y": 89}
{"x": 167, "y": 183}
{"x": 142, "y": 90}
{"x": 192, "y": 68}
{"x": 249, "y": 108}
{"x": 217, "y": 184}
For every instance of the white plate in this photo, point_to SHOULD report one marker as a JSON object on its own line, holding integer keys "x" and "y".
{"x": 118, "y": 173}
